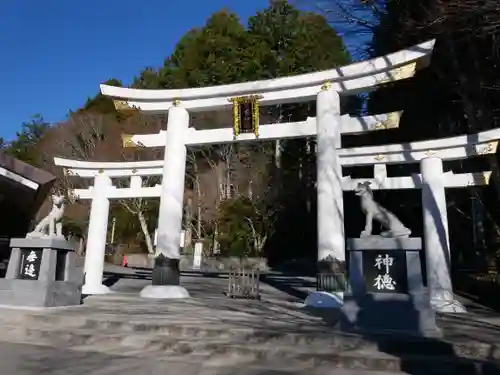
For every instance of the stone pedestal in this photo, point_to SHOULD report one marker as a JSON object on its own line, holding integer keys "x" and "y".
{"x": 386, "y": 293}
{"x": 39, "y": 274}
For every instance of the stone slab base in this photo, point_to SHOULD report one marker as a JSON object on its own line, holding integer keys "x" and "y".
{"x": 164, "y": 292}
{"x": 384, "y": 243}
{"x": 43, "y": 243}
{"x": 35, "y": 293}
{"x": 445, "y": 302}
{"x": 389, "y": 313}
{"x": 95, "y": 289}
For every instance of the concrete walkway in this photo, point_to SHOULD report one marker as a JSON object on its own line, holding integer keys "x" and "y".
{"x": 25, "y": 359}
{"x": 211, "y": 334}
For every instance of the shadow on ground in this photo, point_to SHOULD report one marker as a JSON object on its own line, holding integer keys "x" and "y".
{"x": 415, "y": 355}
{"x": 296, "y": 287}
{"x": 433, "y": 356}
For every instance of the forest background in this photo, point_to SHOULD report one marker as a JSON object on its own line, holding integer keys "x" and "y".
{"x": 259, "y": 199}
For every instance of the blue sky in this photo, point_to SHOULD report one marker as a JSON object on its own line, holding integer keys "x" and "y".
{"x": 54, "y": 53}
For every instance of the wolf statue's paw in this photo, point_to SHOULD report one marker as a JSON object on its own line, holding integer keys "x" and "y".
{"x": 35, "y": 234}
{"x": 365, "y": 233}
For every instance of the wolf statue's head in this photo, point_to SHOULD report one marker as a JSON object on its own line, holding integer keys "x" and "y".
{"x": 57, "y": 200}
{"x": 363, "y": 188}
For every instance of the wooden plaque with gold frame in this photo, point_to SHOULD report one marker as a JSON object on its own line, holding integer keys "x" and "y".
{"x": 246, "y": 115}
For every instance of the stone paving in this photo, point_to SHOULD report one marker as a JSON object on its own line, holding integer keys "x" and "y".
{"x": 210, "y": 334}
{"x": 26, "y": 359}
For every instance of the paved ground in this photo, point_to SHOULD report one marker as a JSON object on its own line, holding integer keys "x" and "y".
{"x": 25, "y": 359}
{"x": 295, "y": 288}
{"x": 212, "y": 335}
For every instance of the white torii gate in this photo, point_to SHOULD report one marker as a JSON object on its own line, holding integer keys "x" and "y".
{"x": 103, "y": 173}
{"x": 327, "y": 126}
{"x": 100, "y": 194}
{"x": 432, "y": 181}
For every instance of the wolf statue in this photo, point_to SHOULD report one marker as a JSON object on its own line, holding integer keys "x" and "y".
{"x": 51, "y": 225}
{"x": 373, "y": 210}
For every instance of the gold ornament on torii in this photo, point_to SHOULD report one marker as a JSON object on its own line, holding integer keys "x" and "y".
{"x": 127, "y": 141}
{"x": 246, "y": 114}
{"x": 391, "y": 122}
{"x": 403, "y": 72}
{"x": 123, "y": 106}
{"x": 490, "y": 148}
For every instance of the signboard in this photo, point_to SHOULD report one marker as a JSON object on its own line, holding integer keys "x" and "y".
{"x": 30, "y": 264}
{"x": 385, "y": 271}
{"x": 198, "y": 252}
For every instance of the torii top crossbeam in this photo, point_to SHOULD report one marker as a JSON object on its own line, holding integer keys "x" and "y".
{"x": 351, "y": 79}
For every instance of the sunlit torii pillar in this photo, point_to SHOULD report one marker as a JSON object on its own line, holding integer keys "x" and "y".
{"x": 96, "y": 238}
{"x": 166, "y": 273}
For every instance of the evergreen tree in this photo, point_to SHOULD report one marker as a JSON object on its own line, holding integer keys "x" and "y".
{"x": 208, "y": 56}
{"x": 279, "y": 41}
{"x": 284, "y": 41}
{"x": 23, "y": 147}
{"x": 103, "y": 104}
{"x": 456, "y": 94}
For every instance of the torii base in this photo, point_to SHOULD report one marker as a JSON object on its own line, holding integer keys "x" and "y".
{"x": 164, "y": 292}
{"x": 166, "y": 279}
{"x": 166, "y": 271}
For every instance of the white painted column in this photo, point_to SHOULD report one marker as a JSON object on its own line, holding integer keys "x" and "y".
{"x": 171, "y": 206}
{"x": 436, "y": 237}
{"x": 172, "y": 192}
{"x": 136, "y": 182}
{"x": 96, "y": 238}
{"x": 331, "y": 237}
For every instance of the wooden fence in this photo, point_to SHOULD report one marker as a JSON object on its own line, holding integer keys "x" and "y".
{"x": 244, "y": 283}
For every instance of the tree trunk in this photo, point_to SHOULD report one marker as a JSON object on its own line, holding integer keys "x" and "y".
{"x": 250, "y": 190}
{"x": 228, "y": 175}
{"x": 197, "y": 188}
{"x": 277, "y": 154}
{"x": 259, "y": 243}
{"x": 228, "y": 183}
{"x": 145, "y": 231}
{"x": 215, "y": 243}
{"x": 81, "y": 247}
{"x": 188, "y": 223}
